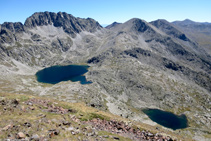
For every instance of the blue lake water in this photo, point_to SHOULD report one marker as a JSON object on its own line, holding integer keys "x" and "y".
{"x": 167, "y": 119}
{"x": 56, "y": 74}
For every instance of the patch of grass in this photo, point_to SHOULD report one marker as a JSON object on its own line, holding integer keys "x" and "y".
{"x": 134, "y": 110}
{"x": 93, "y": 116}
{"x": 65, "y": 106}
{"x": 110, "y": 135}
{"x": 18, "y": 44}
{"x": 105, "y": 104}
{"x": 20, "y": 97}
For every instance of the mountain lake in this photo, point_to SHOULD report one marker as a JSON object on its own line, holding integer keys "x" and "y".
{"x": 56, "y": 74}
{"x": 167, "y": 119}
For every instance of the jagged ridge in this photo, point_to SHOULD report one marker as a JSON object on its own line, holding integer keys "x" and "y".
{"x": 69, "y": 23}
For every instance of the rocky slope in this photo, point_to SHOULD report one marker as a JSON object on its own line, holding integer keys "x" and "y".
{"x": 133, "y": 65}
{"x": 200, "y": 32}
{"x": 36, "y": 118}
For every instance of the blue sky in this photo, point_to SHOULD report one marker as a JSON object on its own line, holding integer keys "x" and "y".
{"x": 108, "y": 11}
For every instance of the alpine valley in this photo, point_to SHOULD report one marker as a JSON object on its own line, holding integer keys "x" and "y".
{"x": 132, "y": 66}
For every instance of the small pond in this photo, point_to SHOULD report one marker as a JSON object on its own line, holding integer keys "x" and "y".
{"x": 56, "y": 74}
{"x": 167, "y": 119}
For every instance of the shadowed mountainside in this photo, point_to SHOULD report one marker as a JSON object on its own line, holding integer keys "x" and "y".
{"x": 200, "y": 32}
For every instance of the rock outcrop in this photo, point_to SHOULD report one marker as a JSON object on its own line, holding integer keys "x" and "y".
{"x": 69, "y": 23}
{"x": 169, "y": 29}
{"x": 9, "y": 31}
{"x": 112, "y": 25}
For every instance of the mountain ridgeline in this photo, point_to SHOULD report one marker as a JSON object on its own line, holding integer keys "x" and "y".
{"x": 200, "y": 32}
{"x": 69, "y": 23}
{"x": 133, "y": 65}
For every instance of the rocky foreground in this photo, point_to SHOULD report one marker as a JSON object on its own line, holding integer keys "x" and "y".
{"x": 31, "y": 118}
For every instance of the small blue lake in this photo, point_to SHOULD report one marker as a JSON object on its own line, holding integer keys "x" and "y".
{"x": 56, "y": 74}
{"x": 167, "y": 119}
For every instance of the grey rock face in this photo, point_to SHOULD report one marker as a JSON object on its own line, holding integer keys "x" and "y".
{"x": 139, "y": 25}
{"x": 69, "y": 23}
{"x": 169, "y": 29}
{"x": 8, "y": 31}
{"x": 57, "y": 33}
{"x": 199, "y": 32}
{"x": 13, "y": 27}
{"x": 112, "y": 25}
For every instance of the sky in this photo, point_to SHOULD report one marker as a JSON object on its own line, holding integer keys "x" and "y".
{"x": 108, "y": 11}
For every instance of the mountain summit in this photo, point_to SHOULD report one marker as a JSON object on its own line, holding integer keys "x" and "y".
{"x": 69, "y": 23}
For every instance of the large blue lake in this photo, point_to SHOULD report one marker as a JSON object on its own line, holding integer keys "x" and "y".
{"x": 56, "y": 74}
{"x": 167, "y": 119}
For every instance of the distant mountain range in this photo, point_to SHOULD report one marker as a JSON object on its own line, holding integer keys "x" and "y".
{"x": 133, "y": 65}
{"x": 198, "y": 31}
{"x": 190, "y": 22}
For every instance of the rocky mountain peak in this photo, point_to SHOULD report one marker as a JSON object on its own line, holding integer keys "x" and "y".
{"x": 112, "y": 25}
{"x": 69, "y": 23}
{"x": 13, "y": 27}
{"x": 39, "y": 19}
{"x": 139, "y": 25}
{"x": 134, "y": 25}
{"x": 159, "y": 22}
{"x": 169, "y": 29}
{"x": 8, "y": 30}
{"x": 187, "y": 22}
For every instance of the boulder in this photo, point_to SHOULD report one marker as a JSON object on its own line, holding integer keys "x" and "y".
{"x": 21, "y": 135}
